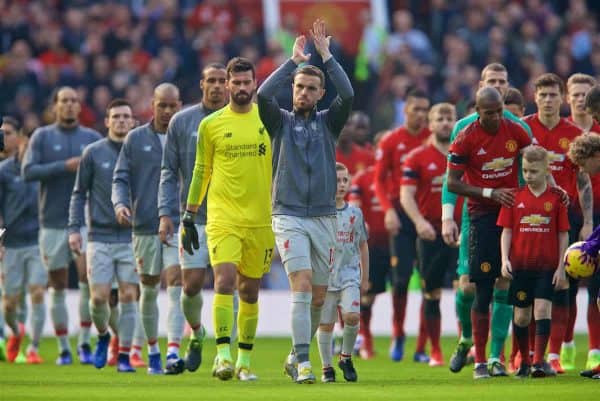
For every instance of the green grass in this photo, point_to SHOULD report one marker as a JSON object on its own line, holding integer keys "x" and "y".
{"x": 379, "y": 379}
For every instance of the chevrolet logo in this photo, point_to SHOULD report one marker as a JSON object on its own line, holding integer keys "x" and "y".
{"x": 498, "y": 164}
{"x": 554, "y": 157}
{"x": 535, "y": 220}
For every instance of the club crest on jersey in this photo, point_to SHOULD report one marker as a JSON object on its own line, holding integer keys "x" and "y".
{"x": 498, "y": 164}
{"x": 521, "y": 295}
{"x": 511, "y": 145}
{"x": 486, "y": 267}
{"x": 57, "y": 147}
{"x": 352, "y": 219}
{"x": 535, "y": 219}
{"x": 564, "y": 143}
{"x": 548, "y": 206}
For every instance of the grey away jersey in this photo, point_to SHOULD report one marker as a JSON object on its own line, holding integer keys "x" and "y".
{"x": 351, "y": 231}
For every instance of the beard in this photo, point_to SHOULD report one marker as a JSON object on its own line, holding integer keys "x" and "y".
{"x": 241, "y": 98}
{"x": 442, "y": 138}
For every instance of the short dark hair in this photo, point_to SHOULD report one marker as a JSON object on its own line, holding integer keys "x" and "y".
{"x": 240, "y": 64}
{"x": 549, "y": 79}
{"x": 118, "y": 102}
{"x": 13, "y": 122}
{"x": 58, "y": 90}
{"x": 416, "y": 94}
{"x": 514, "y": 96}
{"x": 310, "y": 70}
{"x": 216, "y": 66}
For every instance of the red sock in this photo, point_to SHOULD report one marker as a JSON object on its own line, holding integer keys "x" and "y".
{"x": 570, "y": 330}
{"x": 481, "y": 327}
{"x": 399, "y": 303}
{"x": 532, "y": 335}
{"x": 423, "y": 332}
{"x": 560, "y": 318}
{"x": 433, "y": 327}
{"x": 593, "y": 321}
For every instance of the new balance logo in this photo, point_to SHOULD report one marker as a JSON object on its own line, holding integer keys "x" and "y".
{"x": 261, "y": 130}
{"x": 521, "y": 206}
{"x": 481, "y": 152}
{"x": 147, "y": 148}
{"x": 401, "y": 146}
{"x": 262, "y": 149}
{"x": 106, "y": 165}
{"x": 228, "y": 135}
{"x": 57, "y": 147}
{"x": 432, "y": 166}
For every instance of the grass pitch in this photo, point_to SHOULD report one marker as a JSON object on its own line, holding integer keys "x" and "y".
{"x": 379, "y": 379}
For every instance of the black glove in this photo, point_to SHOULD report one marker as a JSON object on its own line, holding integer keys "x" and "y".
{"x": 189, "y": 234}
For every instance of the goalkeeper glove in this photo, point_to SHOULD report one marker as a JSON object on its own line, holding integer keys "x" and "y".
{"x": 189, "y": 234}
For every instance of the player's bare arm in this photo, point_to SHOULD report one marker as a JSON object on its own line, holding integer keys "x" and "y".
{"x": 503, "y": 196}
{"x": 586, "y": 201}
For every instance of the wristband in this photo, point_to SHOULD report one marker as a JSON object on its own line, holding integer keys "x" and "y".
{"x": 447, "y": 211}
{"x": 487, "y": 192}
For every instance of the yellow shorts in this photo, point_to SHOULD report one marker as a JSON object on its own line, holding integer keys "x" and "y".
{"x": 249, "y": 248}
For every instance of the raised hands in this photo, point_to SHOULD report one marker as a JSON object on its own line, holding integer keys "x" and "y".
{"x": 321, "y": 39}
{"x": 298, "y": 55}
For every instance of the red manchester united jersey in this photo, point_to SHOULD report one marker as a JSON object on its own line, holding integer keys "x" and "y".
{"x": 357, "y": 160}
{"x": 363, "y": 190}
{"x": 425, "y": 168}
{"x": 389, "y": 157}
{"x": 488, "y": 160}
{"x": 556, "y": 141}
{"x": 535, "y": 223}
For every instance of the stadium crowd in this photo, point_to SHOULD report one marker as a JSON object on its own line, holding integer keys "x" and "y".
{"x": 63, "y": 64}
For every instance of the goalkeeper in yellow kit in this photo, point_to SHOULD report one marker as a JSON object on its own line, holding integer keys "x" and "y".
{"x": 234, "y": 157}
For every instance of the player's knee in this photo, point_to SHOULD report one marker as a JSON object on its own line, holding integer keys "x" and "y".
{"x": 522, "y": 316}
{"x": 542, "y": 309}
{"x": 351, "y": 318}
{"x": 434, "y": 294}
{"x": 149, "y": 280}
{"x": 301, "y": 281}
{"x": 128, "y": 293}
{"x": 11, "y": 302}
{"x": 191, "y": 289}
{"x": 318, "y": 296}
{"x": 502, "y": 283}
{"x": 36, "y": 292}
{"x": 173, "y": 276}
{"x": 366, "y": 301}
{"x": 99, "y": 299}
{"x": 467, "y": 287}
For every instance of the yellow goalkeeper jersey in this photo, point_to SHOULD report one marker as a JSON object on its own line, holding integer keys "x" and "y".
{"x": 233, "y": 155}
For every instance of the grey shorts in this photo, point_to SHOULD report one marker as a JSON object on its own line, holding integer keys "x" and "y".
{"x": 21, "y": 268}
{"x": 54, "y": 247}
{"x": 199, "y": 260}
{"x": 348, "y": 299}
{"x": 152, "y": 256}
{"x": 306, "y": 243}
{"x": 106, "y": 261}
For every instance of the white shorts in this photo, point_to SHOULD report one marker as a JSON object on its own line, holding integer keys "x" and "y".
{"x": 306, "y": 243}
{"x": 21, "y": 268}
{"x": 347, "y": 299}
{"x": 152, "y": 256}
{"x": 107, "y": 261}
{"x": 199, "y": 260}
{"x": 54, "y": 247}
